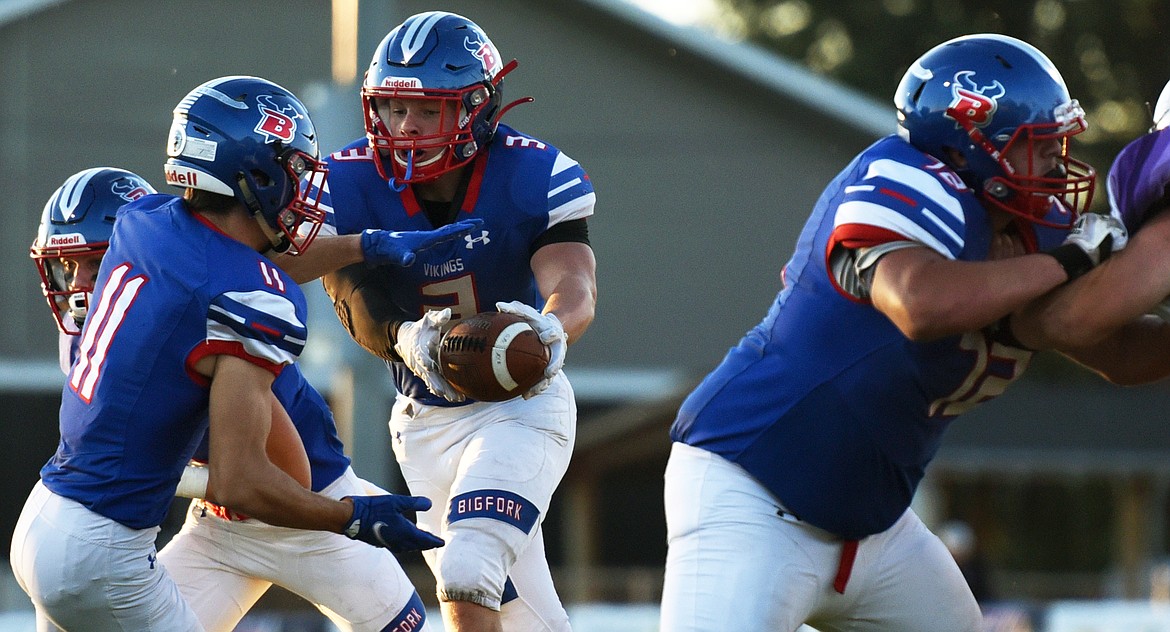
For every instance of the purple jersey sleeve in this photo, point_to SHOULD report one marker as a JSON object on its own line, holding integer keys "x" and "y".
{"x": 1138, "y": 178}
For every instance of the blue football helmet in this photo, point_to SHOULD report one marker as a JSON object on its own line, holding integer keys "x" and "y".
{"x": 978, "y": 96}
{"x": 248, "y": 138}
{"x": 447, "y": 59}
{"x": 76, "y": 223}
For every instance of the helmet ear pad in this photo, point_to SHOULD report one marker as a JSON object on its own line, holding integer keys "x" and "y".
{"x": 483, "y": 104}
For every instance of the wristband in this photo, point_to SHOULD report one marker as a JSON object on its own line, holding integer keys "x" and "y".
{"x": 193, "y": 482}
{"x": 1001, "y": 332}
{"x": 1074, "y": 260}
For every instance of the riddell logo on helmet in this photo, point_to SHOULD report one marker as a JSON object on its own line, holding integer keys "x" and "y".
{"x": 72, "y": 239}
{"x": 182, "y": 177}
{"x": 401, "y": 82}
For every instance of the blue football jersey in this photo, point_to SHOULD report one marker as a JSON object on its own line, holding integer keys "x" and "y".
{"x": 309, "y": 411}
{"x": 520, "y": 187}
{"x": 825, "y": 401}
{"x": 172, "y": 289}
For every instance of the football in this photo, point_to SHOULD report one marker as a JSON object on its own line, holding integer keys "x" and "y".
{"x": 492, "y": 356}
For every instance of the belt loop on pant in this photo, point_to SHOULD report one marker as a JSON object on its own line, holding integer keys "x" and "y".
{"x": 845, "y": 566}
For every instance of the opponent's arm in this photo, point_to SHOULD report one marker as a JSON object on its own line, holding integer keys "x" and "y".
{"x": 1099, "y": 319}
{"x": 1138, "y": 352}
{"x": 1126, "y": 286}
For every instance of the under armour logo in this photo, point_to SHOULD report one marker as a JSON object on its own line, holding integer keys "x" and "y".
{"x": 471, "y": 241}
{"x": 151, "y": 558}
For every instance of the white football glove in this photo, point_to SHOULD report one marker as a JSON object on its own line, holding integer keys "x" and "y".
{"x": 1098, "y": 235}
{"x": 548, "y": 328}
{"x": 1092, "y": 239}
{"x": 417, "y": 344}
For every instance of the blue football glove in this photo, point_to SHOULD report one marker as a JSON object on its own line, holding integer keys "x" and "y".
{"x": 378, "y": 521}
{"x": 1138, "y": 178}
{"x": 399, "y": 248}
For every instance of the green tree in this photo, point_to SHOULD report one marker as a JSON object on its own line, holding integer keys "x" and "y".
{"x": 1114, "y": 56}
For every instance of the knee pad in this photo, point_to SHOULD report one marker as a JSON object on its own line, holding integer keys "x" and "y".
{"x": 485, "y": 532}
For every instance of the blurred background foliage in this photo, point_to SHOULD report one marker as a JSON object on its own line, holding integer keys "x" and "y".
{"x": 1114, "y": 55}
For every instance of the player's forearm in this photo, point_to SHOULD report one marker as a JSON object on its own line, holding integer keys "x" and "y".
{"x": 574, "y": 305}
{"x": 566, "y": 274}
{"x": 365, "y": 306}
{"x": 1089, "y": 309}
{"x": 928, "y": 297}
{"x": 268, "y": 494}
{"x": 324, "y": 255}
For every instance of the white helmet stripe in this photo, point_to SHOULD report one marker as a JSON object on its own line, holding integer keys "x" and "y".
{"x": 69, "y": 195}
{"x": 417, "y": 29}
{"x": 207, "y": 90}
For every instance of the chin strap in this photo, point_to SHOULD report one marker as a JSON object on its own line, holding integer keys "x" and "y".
{"x": 280, "y": 242}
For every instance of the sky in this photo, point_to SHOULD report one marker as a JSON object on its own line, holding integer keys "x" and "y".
{"x": 681, "y": 12}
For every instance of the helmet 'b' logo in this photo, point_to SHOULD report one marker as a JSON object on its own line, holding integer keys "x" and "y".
{"x": 276, "y": 123}
{"x": 485, "y": 53}
{"x": 973, "y": 105}
{"x": 128, "y": 189}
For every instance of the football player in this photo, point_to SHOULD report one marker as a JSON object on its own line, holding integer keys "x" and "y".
{"x": 223, "y": 561}
{"x": 794, "y": 462}
{"x": 435, "y": 152}
{"x": 187, "y": 325}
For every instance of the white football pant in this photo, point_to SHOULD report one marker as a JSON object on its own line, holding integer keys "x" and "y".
{"x": 223, "y": 566}
{"x": 490, "y": 469}
{"x": 84, "y": 571}
{"x": 733, "y": 563}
